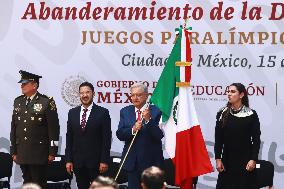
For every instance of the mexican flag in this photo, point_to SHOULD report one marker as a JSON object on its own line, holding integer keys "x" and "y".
{"x": 183, "y": 137}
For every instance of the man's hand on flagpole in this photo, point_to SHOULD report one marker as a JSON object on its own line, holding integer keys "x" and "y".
{"x": 137, "y": 126}
{"x": 146, "y": 115}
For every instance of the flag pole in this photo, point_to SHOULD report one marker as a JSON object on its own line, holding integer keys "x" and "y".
{"x": 118, "y": 172}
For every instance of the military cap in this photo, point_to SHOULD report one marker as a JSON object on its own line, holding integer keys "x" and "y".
{"x": 28, "y": 77}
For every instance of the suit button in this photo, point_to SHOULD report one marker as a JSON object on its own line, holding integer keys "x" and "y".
{"x": 26, "y": 112}
{"x": 25, "y": 121}
{"x": 26, "y": 138}
{"x": 25, "y": 129}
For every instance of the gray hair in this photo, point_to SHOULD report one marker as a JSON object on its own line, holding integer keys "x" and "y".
{"x": 31, "y": 186}
{"x": 139, "y": 85}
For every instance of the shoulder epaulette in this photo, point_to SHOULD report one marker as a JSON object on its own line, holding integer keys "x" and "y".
{"x": 43, "y": 95}
{"x": 19, "y": 97}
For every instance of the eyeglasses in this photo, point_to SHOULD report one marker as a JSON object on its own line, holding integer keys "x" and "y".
{"x": 138, "y": 95}
{"x": 86, "y": 93}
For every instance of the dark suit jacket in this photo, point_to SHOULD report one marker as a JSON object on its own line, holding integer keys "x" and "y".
{"x": 147, "y": 147}
{"x": 90, "y": 147}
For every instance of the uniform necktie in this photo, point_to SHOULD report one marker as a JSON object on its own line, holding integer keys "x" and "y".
{"x": 83, "y": 121}
{"x": 139, "y": 115}
{"x": 28, "y": 101}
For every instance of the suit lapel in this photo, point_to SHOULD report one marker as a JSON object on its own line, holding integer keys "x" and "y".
{"x": 77, "y": 117}
{"x": 92, "y": 115}
{"x": 132, "y": 115}
{"x": 151, "y": 110}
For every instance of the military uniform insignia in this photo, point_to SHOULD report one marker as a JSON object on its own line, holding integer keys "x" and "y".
{"x": 52, "y": 105}
{"x": 32, "y": 118}
{"x": 37, "y": 107}
{"x": 17, "y": 109}
{"x": 40, "y": 119}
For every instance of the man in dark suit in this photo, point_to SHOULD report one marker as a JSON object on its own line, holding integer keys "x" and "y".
{"x": 34, "y": 130}
{"x": 141, "y": 120}
{"x": 88, "y": 138}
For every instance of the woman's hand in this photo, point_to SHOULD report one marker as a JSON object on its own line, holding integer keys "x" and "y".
{"x": 219, "y": 165}
{"x": 251, "y": 165}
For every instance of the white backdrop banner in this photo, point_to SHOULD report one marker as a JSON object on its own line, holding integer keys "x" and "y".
{"x": 114, "y": 44}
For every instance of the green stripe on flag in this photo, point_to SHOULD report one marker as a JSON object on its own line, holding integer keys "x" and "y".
{"x": 166, "y": 89}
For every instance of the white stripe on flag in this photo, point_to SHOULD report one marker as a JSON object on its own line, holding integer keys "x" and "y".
{"x": 187, "y": 116}
{"x": 170, "y": 130}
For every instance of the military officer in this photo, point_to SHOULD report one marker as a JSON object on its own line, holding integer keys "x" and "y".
{"x": 34, "y": 130}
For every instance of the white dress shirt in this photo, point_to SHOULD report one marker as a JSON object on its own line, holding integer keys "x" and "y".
{"x": 31, "y": 98}
{"x": 136, "y": 113}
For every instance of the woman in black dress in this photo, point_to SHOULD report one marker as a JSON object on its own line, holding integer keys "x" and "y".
{"x": 237, "y": 141}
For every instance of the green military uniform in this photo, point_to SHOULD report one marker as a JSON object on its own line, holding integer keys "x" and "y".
{"x": 34, "y": 129}
{"x": 34, "y": 132}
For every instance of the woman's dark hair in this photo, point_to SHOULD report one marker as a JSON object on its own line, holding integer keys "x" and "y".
{"x": 245, "y": 101}
{"x": 87, "y": 84}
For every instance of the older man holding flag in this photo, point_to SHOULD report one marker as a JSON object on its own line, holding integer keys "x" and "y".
{"x": 183, "y": 137}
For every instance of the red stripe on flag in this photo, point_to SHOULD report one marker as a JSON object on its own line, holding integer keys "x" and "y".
{"x": 191, "y": 157}
{"x": 188, "y": 49}
{"x": 188, "y": 57}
